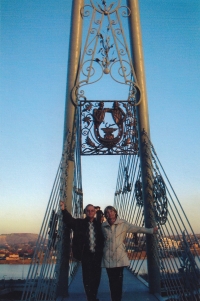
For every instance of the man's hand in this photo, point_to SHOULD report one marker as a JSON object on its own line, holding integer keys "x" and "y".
{"x": 155, "y": 230}
{"x": 62, "y": 205}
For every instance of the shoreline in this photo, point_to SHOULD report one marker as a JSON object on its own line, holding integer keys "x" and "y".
{"x": 19, "y": 261}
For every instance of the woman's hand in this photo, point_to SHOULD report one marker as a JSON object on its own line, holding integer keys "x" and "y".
{"x": 155, "y": 230}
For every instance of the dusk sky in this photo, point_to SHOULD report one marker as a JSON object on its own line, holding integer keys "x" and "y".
{"x": 34, "y": 54}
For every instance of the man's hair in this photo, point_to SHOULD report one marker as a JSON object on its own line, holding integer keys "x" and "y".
{"x": 110, "y": 208}
{"x": 88, "y": 206}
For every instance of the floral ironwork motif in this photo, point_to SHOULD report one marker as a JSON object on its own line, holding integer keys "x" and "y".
{"x": 160, "y": 200}
{"x": 138, "y": 193}
{"x": 108, "y": 130}
{"x": 104, "y": 50}
{"x": 127, "y": 184}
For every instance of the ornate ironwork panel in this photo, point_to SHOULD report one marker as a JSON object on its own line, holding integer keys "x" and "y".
{"x": 189, "y": 270}
{"x": 127, "y": 185}
{"x": 138, "y": 193}
{"x": 160, "y": 200}
{"x": 105, "y": 50}
{"x": 108, "y": 128}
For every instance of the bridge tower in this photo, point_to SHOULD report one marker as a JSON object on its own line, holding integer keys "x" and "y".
{"x": 136, "y": 109}
{"x": 69, "y": 139}
{"x": 145, "y": 154}
{"x": 106, "y": 113}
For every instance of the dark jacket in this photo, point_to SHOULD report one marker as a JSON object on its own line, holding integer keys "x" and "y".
{"x": 80, "y": 241}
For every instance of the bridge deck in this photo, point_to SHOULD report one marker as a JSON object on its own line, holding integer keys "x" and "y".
{"x": 133, "y": 288}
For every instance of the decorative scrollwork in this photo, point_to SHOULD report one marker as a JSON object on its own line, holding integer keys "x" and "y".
{"x": 85, "y": 11}
{"x": 160, "y": 200}
{"x": 125, "y": 11}
{"x": 108, "y": 130}
{"x": 103, "y": 8}
{"x": 105, "y": 51}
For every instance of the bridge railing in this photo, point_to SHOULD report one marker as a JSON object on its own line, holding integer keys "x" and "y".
{"x": 42, "y": 278}
{"x": 178, "y": 245}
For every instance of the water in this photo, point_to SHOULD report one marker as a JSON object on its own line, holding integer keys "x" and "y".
{"x": 171, "y": 265}
{"x": 14, "y": 271}
{"x": 20, "y": 271}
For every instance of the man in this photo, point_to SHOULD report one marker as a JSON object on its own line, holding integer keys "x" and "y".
{"x": 99, "y": 214}
{"x": 114, "y": 253}
{"x": 87, "y": 247}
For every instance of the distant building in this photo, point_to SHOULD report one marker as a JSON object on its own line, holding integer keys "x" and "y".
{"x": 195, "y": 246}
{"x": 169, "y": 244}
{"x": 13, "y": 257}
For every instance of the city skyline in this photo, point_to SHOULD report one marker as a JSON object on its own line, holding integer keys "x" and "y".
{"x": 34, "y": 53}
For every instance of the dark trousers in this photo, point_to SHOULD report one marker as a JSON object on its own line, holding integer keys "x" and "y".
{"x": 115, "y": 276}
{"x": 91, "y": 270}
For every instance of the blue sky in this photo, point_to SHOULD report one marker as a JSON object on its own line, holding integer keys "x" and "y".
{"x": 34, "y": 53}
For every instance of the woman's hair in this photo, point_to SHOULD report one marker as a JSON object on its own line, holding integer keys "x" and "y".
{"x": 110, "y": 208}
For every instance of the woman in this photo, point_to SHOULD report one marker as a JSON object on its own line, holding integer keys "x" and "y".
{"x": 114, "y": 254}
